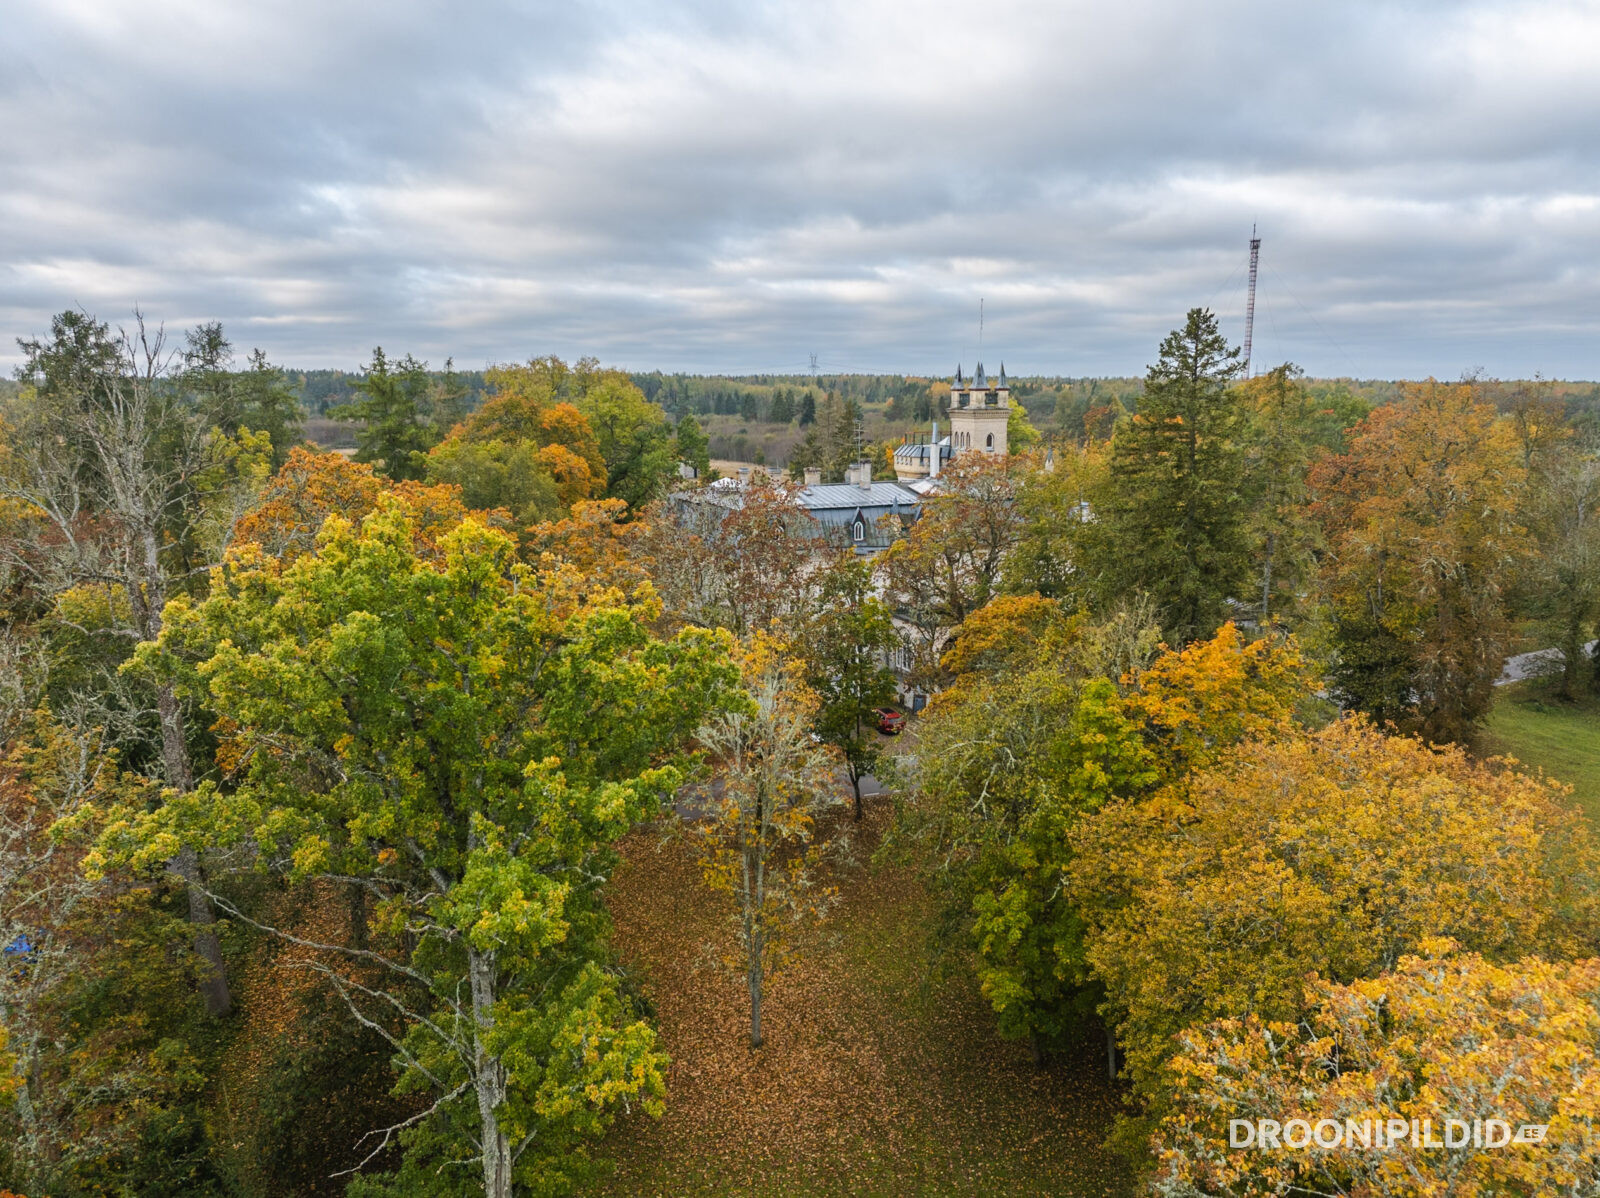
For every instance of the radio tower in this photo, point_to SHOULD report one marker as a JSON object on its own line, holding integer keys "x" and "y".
{"x": 1250, "y": 305}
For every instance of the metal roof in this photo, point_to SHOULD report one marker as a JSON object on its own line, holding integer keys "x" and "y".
{"x": 829, "y": 496}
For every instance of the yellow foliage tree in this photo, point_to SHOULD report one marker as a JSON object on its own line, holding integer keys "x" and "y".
{"x": 1332, "y": 853}
{"x": 756, "y": 837}
{"x": 1195, "y": 703}
{"x": 1391, "y": 1084}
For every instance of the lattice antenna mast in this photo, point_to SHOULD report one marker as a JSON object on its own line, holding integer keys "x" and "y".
{"x": 1250, "y": 304}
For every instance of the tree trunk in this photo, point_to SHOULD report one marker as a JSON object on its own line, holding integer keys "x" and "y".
{"x": 1266, "y": 578}
{"x": 489, "y": 1078}
{"x": 175, "y": 757}
{"x": 753, "y": 976}
{"x": 855, "y": 783}
{"x": 1572, "y": 652}
{"x": 1111, "y": 1054}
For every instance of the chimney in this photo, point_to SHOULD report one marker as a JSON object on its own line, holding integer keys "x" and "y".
{"x": 859, "y": 473}
{"x": 813, "y": 476}
{"x": 933, "y": 452}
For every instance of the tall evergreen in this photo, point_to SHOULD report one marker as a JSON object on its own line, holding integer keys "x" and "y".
{"x": 392, "y": 404}
{"x": 1175, "y": 526}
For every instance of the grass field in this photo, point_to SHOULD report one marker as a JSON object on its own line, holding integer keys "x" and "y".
{"x": 880, "y": 1074}
{"x": 1549, "y": 734}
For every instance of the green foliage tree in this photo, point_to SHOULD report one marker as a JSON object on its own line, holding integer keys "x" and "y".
{"x": 848, "y": 641}
{"x": 1281, "y": 448}
{"x": 636, "y": 441}
{"x": 783, "y": 409}
{"x": 1026, "y": 740}
{"x": 267, "y": 405}
{"x": 808, "y": 408}
{"x": 693, "y": 447}
{"x": 1175, "y": 525}
{"x": 439, "y": 734}
{"x": 393, "y": 405}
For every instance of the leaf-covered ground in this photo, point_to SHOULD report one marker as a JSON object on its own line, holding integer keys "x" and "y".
{"x": 880, "y": 1074}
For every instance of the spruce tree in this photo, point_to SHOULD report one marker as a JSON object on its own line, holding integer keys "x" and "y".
{"x": 1175, "y": 526}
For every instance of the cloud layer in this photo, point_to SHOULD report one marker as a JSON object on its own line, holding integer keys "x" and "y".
{"x": 734, "y": 186}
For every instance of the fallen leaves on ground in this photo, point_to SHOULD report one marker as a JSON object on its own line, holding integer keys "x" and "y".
{"x": 879, "y": 1075}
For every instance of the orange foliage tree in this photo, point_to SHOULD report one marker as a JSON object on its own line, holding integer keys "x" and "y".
{"x": 1420, "y": 520}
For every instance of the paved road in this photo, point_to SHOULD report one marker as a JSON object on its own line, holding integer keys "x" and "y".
{"x": 1533, "y": 665}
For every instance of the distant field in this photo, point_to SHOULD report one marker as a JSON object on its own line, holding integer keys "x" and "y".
{"x": 1562, "y": 739}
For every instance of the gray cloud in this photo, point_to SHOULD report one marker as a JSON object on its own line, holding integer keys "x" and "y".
{"x": 733, "y": 186}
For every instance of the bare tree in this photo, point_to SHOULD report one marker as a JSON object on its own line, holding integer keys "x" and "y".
{"x": 125, "y": 491}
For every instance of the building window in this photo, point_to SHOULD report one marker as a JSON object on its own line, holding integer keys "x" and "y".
{"x": 859, "y": 531}
{"x": 988, "y": 442}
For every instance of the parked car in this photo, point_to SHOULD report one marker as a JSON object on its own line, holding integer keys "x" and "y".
{"x": 889, "y": 720}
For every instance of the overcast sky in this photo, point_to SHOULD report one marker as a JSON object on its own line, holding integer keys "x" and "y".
{"x": 734, "y": 186}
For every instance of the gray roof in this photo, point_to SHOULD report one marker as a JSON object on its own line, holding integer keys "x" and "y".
{"x": 917, "y": 451}
{"x": 835, "y": 496}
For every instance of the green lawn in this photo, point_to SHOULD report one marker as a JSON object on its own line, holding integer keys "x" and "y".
{"x": 1560, "y": 738}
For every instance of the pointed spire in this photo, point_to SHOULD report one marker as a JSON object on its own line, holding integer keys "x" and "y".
{"x": 1003, "y": 374}
{"x": 978, "y": 379}
{"x": 958, "y": 376}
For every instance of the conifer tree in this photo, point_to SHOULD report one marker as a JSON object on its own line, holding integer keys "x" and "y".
{"x": 1176, "y": 523}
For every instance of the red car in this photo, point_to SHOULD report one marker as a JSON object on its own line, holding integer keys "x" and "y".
{"x": 889, "y": 720}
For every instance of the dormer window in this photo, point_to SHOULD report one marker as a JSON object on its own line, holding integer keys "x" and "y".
{"x": 858, "y": 530}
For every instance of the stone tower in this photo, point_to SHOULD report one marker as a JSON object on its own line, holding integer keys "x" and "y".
{"x": 979, "y": 410}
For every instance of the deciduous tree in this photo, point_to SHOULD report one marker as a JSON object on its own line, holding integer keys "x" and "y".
{"x": 848, "y": 642}
{"x": 1420, "y": 517}
{"x": 758, "y": 833}
{"x": 442, "y": 736}
{"x": 1444, "y": 1043}
{"x": 1332, "y": 853}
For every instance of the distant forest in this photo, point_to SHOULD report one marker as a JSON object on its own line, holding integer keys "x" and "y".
{"x": 765, "y": 417}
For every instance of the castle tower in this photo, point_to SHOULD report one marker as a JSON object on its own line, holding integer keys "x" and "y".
{"x": 979, "y": 411}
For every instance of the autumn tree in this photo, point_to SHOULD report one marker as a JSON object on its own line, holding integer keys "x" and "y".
{"x": 1420, "y": 521}
{"x": 740, "y": 559}
{"x": 848, "y": 641}
{"x": 1175, "y": 523}
{"x": 1030, "y": 738}
{"x": 757, "y": 833}
{"x": 1332, "y": 853}
{"x": 125, "y": 496}
{"x": 1447, "y": 1041}
{"x": 528, "y": 449}
{"x": 949, "y": 563}
{"x": 440, "y": 737}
